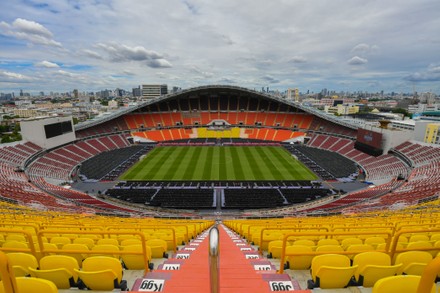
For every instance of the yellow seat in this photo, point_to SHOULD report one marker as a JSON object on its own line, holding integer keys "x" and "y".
{"x": 32, "y": 285}
{"x": 306, "y": 242}
{"x": 331, "y": 271}
{"x": 60, "y": 277}
{"x": 111, "y": 241}
{"x": 16, "y": 237}
{"x": 350, "y": 241}
{"x": 418, "y": 237}
{"x": 374, "y": 241}
{"x": 435, "y": 237}
{"x": 436, "y": 247}
{"x": 130, "y": 241}
{"x": 87, "y": 241}
{"x": 124, "y": 237}
{"x": 370, "y": 274}
{"x": 269, "y": 236}
{"x": 402, "y": 239}
{"x": 102, "y": 273}
{"x": 70, "y": 236}
{"x": 60, "y": 269}
{"x": 135, "y": 262}
{"x": 398, "y": 284}
{"x": 335, "y": 260}
{"x": 15, "y": 244}
{"x": 180, "y": 238}
{"x": 372, "y": 266}
{"x": 299, "y": 262}
{"x": 329, "y": 277}
{"x": 328, "y": 241}
{"x": 60, "y": 241}
{"x": 158, "y": 247}
{"x": 59, "y": 261}
{"x": 21, "y": 262}
{"x": 75, "y": 246}
{"x": 103, "y": 280}
{"x": 171, "y": 244}
{"x": 106, "y": 247}
{"x": 382, "y": 246}
{"x": 413, "y": 262}
{"x": 422, "y": 244}
{"x": 274, "y": 248}
{"x": 50, "y": 246}
{"x": 94, "y": 237}
{"x": 359, "y": 248}
{"x": 329, "y": 248}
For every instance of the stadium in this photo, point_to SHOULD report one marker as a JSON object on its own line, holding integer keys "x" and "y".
{"x": 289, "y": 185}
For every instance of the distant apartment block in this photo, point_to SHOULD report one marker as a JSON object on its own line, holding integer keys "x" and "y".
{"x": 341, "y": 109}
{"x": 432, "y": 134}
{"x": 136, "y": 92}
{"x": 423, "y": 108}
{"x": 150, "y": 91}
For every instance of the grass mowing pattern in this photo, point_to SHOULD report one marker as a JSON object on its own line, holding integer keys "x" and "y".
{"x": 219, "y": 163}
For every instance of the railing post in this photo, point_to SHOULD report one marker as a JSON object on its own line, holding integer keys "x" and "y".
{"x": 214, "y": 259}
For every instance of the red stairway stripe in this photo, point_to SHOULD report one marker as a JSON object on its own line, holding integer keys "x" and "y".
{"x": 237, "y": 274}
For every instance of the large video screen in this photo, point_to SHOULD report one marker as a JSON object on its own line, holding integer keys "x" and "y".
{"x": 370, "y": 138}
{"x": 56, "y": 129}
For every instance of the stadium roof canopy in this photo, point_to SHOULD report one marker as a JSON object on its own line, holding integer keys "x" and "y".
{"x": 214, "y": 89}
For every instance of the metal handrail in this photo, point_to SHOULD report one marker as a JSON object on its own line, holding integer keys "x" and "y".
{"x": 429, "y": 275}
{"x": 214, "y": 270}
{"x": 7, "y": 274}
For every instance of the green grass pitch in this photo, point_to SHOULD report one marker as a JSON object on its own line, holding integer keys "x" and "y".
{"x": 219, "y": 163}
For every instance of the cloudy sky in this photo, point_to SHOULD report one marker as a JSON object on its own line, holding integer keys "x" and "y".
{"x": 349, "y": 45}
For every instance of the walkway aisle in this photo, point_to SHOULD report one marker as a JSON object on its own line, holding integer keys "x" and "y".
{"x": 236, "y": 272}
{"x": 242, "y": 269}
{"x": 186, "y": 271}
{"x": 194, "y": 274}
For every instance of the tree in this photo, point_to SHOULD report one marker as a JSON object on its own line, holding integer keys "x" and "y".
{"x": 4, "y": 128}
{"x": 6, "y": 138}
{"x": 402, "y": 111}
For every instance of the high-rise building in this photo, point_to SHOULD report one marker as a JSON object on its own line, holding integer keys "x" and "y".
{"x": 136, "y": 91}
{"x": 293, "y": 94}
{"x": 150, "y": 91}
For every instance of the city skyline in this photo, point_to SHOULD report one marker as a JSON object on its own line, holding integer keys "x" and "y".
{"x": 341, "y": 45}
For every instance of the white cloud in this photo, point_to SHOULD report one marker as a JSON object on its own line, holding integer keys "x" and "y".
{"x": 431, "y": 74}
{"x": 159, "y": 63}
{"x": 128, "y": 72}
{"x": 32, "y": 28}
{"x": 363, "y": 49}
{"x": 356, "y": 60}
{"x": 68, "y": 74}
{"x": 92, "y": 54}
{"x": 197, "y": 70}
{"x": 123, "y": 53}
{"x": 118, "y": 52}
{"x": 47, "y": 64}
{"x": 30, "y": 31}
{"x": 310, "y": 50}
{"x": 270, "y": 79}
{"x": 298, "y": 59}
{"x": 6, "y": 76}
